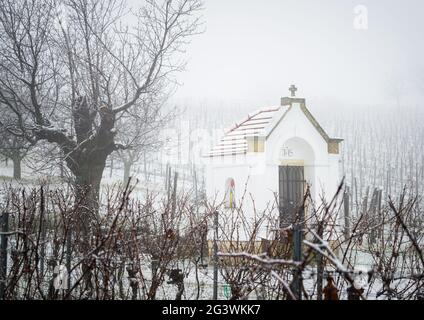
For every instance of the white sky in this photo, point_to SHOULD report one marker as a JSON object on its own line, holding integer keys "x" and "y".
{"x": 253, "y": 50}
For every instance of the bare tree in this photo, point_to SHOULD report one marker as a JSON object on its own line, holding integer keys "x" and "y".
{"x": 139, "y": 131}
{"x": 83, "y": 62}
{"x": 14, "y": 148}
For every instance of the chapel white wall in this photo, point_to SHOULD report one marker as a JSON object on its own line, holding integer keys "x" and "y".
{"x": 260, "y": 171}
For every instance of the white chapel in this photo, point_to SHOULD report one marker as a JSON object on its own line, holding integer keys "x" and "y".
{"x": 274, "y": 153}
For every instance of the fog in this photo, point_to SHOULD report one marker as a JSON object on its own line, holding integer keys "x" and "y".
{"x": 119, "y": 180}
{"x": 251, "y": 51}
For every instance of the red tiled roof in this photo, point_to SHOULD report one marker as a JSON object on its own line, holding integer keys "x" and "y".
{"x": 234, "y": 141}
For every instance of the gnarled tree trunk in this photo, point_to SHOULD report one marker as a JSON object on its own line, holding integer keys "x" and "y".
{"x": 127, "y": 171}
{"x": 17, "y": 170}
{"x": 87, "y": 162}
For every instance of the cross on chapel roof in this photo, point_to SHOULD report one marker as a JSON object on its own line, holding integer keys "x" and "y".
{"x": 293, "y": 90}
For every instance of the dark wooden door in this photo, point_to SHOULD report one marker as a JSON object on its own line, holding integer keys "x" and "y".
{"x": 291, "y": 193}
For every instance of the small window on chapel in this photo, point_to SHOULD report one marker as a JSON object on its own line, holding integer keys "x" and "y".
{"x": 230, "y": 193}
{"x": 255, "y": 144}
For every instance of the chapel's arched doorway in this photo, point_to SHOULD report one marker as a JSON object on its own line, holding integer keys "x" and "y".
{"x": 295, "y": 174}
